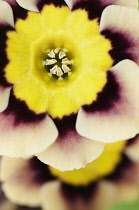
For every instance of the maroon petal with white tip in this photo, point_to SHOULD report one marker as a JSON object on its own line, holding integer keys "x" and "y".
{"x": 114, "y": 115}
{"x": 79, "y": 198}
{"x": 52, "y": 198}
{"x": 4, "y": 98}
{"x": 30, "y": 5}
{"x": 19, "y": 12}
{"x": 68, "y": 197}
{"x": 23, "y": 132}
{"x": 6, "y": 14}
{"x": 22, "y": 179}
{"x": 122, "y": 21}
{"x": 70, "y": 150}
{"x": 95, "y": 8}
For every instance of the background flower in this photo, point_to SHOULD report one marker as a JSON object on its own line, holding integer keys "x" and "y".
{"x": 112, "y": 178}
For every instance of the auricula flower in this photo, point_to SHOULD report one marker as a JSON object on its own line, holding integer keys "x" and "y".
{"x": 113, "y": 177}
{"x": 69, "y": 78}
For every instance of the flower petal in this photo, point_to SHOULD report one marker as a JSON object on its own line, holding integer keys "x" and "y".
{"x": 70, "y": 151}
{"x": 22, "y": 180}
{"x": 4, "y": 98}
{"x": 36, "y": 5}
{"x": 133, "y": 3}
{"x": 95, "y": 8}
{"x": 18, "y": 185}
{"x": 6, "y": 14}
{"x": 52, "y": 197}
{"x": 119, "y": 24}
{"x": 125, "y": 178}
{"x": 67, "y": 196}
{"x": 115, "y": 115}
{"x": 21, "y": 127}
{"x": 18, "y": 11}
{"x": 5, "y": 204}
{"x": 69, "y": 3}
{"x": 81, "y": 198}
{"x": 128, "y": 192}
{"x": 29, "y": 5}
{"x": 73, "y": 154}
{"x": 132, "y": 150}
{"x": 105, "y": 196}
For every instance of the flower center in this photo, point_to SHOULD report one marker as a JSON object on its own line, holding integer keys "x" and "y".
{"x": 41, "y": 68}
{"x": 57, "y": 63}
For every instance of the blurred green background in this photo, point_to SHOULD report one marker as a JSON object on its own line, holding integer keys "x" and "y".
{"x": 126, "y": 206}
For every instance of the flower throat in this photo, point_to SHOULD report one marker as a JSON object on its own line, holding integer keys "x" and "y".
{"x": 57, "y": 63}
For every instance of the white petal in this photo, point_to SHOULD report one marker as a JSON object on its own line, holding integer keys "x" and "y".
{"x": 71, "y": 152}
{"x": 4, "y": 98}
{"x": 19, "y": 184}
{"x": 52, "y": 198}
{"x": 69, "y": 3}
{"x": 24, "y": 139}
{"x": 124, "y": 21}
{"x": 6, "y": 14}
{"x": 119, "y": 119}
{"x": 28, "y": 4}
{"x": 130, "y": 3}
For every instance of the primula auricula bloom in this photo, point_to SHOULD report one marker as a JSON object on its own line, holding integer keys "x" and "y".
{"x": 69, "y": 78}
{"x": 112, "y": 177}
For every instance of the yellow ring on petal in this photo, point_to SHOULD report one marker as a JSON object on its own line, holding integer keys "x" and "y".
{"x": 102, "y": 166}
{"x": 54, "y": 28}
